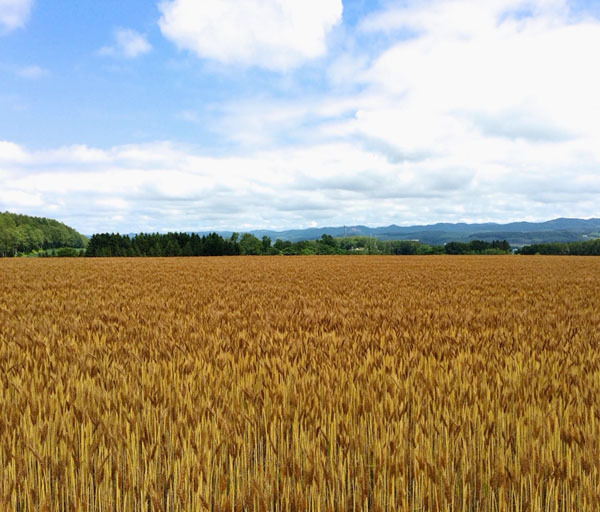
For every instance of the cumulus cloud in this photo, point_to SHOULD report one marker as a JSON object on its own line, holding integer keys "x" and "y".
{"x": 128, "y": 44}
{"x": 274, "y": 34}
{"x": 503, "y": 91}
{"x": 519, "y": 69}
{"x": 11, "y": 153}
{"x": 14, "y": 14}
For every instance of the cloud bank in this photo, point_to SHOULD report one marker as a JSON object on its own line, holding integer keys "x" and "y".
{"x": 161, "y": 186}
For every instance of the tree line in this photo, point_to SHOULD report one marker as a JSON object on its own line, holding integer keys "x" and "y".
{"x": 585, "y": 248}
{"x": 156, "y": 244}
{"x": 24, "y": 234}
{"x": 192, "y": 244}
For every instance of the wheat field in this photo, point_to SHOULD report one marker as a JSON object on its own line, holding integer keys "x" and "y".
{"x": 300, "y": 384}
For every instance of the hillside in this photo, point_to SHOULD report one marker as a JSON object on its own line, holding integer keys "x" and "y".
{"x": 23, "y": 234}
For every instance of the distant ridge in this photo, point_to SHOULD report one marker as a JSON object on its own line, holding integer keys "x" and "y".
{"x": 516, "y": 233}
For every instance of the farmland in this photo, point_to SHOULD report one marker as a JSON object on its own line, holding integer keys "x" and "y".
{"x": 303, "y": 383}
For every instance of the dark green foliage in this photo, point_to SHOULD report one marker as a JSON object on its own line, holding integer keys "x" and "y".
{"x": 67, "y": 252}
{"x": 184, "y": 244}
{"x": 20, "y": 234}
{"x": 478, "y": 247}
{"x": 250, "y": 245}
{"x": 369, "y": 245}
{"x": 266, "y": 245}
{"x": 587, "y": 248}
{"x": 155, "y": 244}
{"x": 187, "y": 249}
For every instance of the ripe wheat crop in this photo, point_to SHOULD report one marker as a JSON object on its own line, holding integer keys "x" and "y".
{"x": 300, "y": 384}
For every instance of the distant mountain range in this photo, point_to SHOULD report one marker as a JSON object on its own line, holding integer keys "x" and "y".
{"x": 516, "y": 233}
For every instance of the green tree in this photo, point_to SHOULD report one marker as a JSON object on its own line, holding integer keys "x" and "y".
{"x": 249, "y": 244}
{"x": 266, "y": 245}
{"x": 187, "y": 249}
{"x": 155, "y": 250}
{"x": 27, "y": 234}
{"x": 281, "y": 245}
{"x": 172, "y": 248}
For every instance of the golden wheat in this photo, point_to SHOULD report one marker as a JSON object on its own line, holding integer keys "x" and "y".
{"x": 300, "y": 384}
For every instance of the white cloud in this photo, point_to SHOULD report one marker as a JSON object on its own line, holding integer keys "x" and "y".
{"x": 502, "y": 88}
{"x": 18, "y": 199}
{"x": 32, "y": 72}
{"x": 12, "y": 153}
{"x": 14, "y": 13}
{"x": 128, "y": 44}
{"x": 459, "y": 17}
{"x": 274, "y": 34}
{"x": 265, "y": 122}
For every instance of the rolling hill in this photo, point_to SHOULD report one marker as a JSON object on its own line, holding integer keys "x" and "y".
{"x": 516, "y": 233}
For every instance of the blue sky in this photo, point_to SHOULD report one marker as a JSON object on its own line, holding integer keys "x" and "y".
{"x": 230, "y": 114}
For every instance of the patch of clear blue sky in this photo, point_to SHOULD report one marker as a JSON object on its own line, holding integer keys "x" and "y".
{"x": 591, "y": 7}
{"x": 86, "y": 98}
